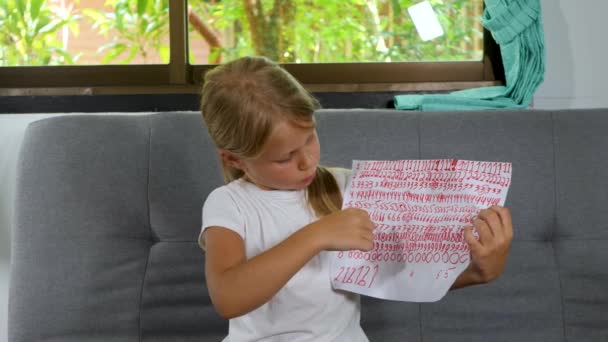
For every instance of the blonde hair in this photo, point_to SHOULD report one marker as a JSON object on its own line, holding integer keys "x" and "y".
{"x": 242, "y": 101}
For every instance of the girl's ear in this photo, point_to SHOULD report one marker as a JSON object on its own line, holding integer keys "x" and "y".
{"x": 231, "y": 159}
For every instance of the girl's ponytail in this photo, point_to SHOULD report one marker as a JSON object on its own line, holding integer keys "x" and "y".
{"x": 324, "y": 194}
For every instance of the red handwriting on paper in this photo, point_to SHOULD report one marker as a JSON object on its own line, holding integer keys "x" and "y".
{"x": 445, "y": 273}
{"x": 363, "y": 275}
{"x": 420, "y": 208}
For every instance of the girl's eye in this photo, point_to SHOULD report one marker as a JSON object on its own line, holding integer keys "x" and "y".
{"x": 284, "y": 161}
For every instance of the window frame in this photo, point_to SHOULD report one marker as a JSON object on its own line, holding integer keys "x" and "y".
{"x": 181, "y": 77}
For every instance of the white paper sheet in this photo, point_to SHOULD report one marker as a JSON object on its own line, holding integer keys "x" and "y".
{"x": 419, "y": 209}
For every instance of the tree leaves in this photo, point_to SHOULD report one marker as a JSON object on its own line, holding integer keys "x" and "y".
{"x": 29, "y": 34}
{"x": 339, "y": 31}
{"x": 140, "y": 26}
{"x": 290, "y": 31}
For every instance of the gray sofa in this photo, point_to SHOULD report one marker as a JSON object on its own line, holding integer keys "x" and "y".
{"x": 107, "y": 215}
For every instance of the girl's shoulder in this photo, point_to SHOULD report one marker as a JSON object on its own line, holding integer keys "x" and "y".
{"x": 226, "y": 194}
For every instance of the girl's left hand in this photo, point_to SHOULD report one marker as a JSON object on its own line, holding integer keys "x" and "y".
{"x": 489, "y": 253}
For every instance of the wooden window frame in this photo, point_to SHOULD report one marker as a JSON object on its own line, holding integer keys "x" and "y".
{"x": 181, "y": 77}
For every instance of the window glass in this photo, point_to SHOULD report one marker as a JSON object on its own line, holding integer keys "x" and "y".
{"x": 332, "y": 31}
{"x": 83, "y": 32}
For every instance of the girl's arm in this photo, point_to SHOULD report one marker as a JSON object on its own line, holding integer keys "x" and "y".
{"x": 237, "y": 285}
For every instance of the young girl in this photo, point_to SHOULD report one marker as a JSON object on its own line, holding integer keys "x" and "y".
{"x": 266, "y": 232}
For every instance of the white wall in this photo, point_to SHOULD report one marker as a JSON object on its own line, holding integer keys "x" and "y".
{"x": 575, "y": 39}
{"x": 11, "y": 134}
{"x": 576, "y": 77}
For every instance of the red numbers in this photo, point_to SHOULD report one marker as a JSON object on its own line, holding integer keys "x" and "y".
{"x": 363, "y": 276}
{"x": 376, "y": 269}
{"x": 337, "y": 278}
{"x": 444, "y": 274}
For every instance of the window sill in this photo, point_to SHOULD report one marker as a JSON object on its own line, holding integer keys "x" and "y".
{"x": 414, "y": 87}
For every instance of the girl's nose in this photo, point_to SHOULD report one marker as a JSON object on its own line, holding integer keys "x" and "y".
{"x": 306, "y": 160}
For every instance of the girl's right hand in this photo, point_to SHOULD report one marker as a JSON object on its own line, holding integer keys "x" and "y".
{"x": 347, "y": 229}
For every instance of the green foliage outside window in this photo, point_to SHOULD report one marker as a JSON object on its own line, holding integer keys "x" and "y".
{"x": 288, "y": 31}
{"x": 337, "y": 31}
{"x": 29, "y": 33}
{"x": 140, "y": 25}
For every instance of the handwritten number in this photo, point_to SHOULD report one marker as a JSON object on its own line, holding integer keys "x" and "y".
{"x": 339, "y": 274}
{"x": 349, "y": 280}
{"x": 376, "y": 268}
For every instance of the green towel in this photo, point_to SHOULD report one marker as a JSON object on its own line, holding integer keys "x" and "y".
{"x": 516, "y": 26}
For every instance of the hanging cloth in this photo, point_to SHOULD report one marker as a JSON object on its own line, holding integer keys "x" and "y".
{"x": 517, "y": 28}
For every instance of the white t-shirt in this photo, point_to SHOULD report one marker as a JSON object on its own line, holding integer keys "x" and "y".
{"x": 306, "y": 308}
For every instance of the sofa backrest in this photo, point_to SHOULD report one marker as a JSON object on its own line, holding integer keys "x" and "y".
{"x": 104, "y": 245}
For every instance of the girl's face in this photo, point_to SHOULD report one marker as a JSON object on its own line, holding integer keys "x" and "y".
{"x": 288, "y": 160}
